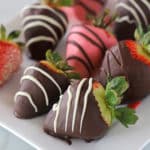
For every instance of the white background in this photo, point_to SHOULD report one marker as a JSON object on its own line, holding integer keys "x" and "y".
{"x": 9, "y": 8}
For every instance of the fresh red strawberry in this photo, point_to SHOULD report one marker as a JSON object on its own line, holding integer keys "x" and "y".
{"x": 10, "y": 54}
{"x": 131, "y": 59}
{"x": 134, "y": 105}
{"x": 86, "y": 45}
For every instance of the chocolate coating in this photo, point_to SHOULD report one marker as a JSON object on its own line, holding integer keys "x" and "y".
{"x": 93, "y": 127}
{"x": 131, "y": 13}
{"x": 23, "y": 107}
{"x": 43, "y": 27}
{"x": 119, "y": 61}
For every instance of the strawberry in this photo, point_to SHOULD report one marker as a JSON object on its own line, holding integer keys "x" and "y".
{"x": 80, "y": 9}
{"x": 43, "y": 28}
{"x": 87, "y": 106}
{"x": 131, "y": 13}
{"x": 87, "y": 44}
{"x": 131, "y": 59}
{"x": 41, "y": 86}
{"x": 10, "y": 54}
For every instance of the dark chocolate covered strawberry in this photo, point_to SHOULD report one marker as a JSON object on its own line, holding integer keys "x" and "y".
{"x": 87, "y": 110}
{"x": 131, "y": 13}
{"x": 41, "y": 86}
{"x": 43, "y": 27}
{"x": 87, "y": 44}
{"x": 10, "y": 54}
{"x": 131, "y": 59}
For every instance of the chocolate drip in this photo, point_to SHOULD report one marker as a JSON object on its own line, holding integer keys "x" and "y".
{"x": 103, "y": 48}
{"x": 87, "y": 8}
{"x": 85, "y": 64}
{"x": 82, "y": 51}
{"x": 87, "y": 38}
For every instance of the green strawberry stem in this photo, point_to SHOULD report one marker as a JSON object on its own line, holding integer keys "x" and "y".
{"x": 11, "y": 36}
{"x": 59, "y": 63}
{"x": 103, "y": 21}
{"x": 109, "y": 98}
{"x": 113, "y": 95}
{"x": 143, "y": 39}
{"x": 57, "y": 2}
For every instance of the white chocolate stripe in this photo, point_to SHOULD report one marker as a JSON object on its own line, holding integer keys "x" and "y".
{"x": 47, "y": 8}
{"x": 85, "y": 103}
{"x": 131, "y": 10}
{"x": 28, "y": 96}
{"x": 39, "y": 39}
{"x": 125, "y": 19}
{"x": 42, "y": 24}
{"x": 44, "y": 18}
{"x": 76, "y": 102}
{"x": 147, "y": 4}
{"x": 35, "y": 81}
{"x": 46, "y": 75}
{"x": 68, "y": 107}
{"x": 139, "y": 10}
{"x": 57, "y": 113}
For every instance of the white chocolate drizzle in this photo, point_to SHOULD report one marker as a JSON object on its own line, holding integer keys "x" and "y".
{"x": 85, "y": 103}
{"x": 131, "y": 10}
{"x": 46, "y": 75}
{"x": 47, "y": 8}
{"x": 39, "y": 39}
{"x": 44, "y": 18}
{"x": 77, "y": 96}
{"x": 68, "y": 107}
{"x": 125, "y": 19}
{"x": 147, "y": 4}
{"x": 140, "y": 10}
{"x": 36, "y": 82}
{"x": 40, "y": 24}
{"x": 28, "y": 96}
{"x": 57, "y": 109}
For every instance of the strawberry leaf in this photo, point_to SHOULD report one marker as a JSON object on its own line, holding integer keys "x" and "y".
{"x": 126, "y": 116}
{"x": 58, "y": 2}
{"x": 115, "y": 89}
{"x": 59, "y": 63}
{"x": 112, "y": 98}
{"x": 118, "y": 84}
{"x": 13, "y": 35}
{"x": 73, "y": 75}
{"x": 2, "y": 32}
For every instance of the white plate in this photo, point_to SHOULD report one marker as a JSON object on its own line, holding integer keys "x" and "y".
{"x": 117, "y": 138}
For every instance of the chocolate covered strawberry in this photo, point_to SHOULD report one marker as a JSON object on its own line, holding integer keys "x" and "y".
{"x": 87, "y": 44}
{"x": 87, "y": 110}
{"x": 79, "y": 9}
{"x": 41, "y": 86}
{"x": 10, "y": 54}
{"x": 131, "y": 13}
{"x": 131, "y": 59}
{"x": 43, "y": 27}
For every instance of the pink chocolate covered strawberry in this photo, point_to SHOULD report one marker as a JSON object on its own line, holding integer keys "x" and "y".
{"x": 79, "y": 9}
{"x": 86, "y": 45}
{"x": 10, "y": 54}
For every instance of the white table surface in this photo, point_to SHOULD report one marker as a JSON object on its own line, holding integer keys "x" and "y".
{"x": 9, "y": 8}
